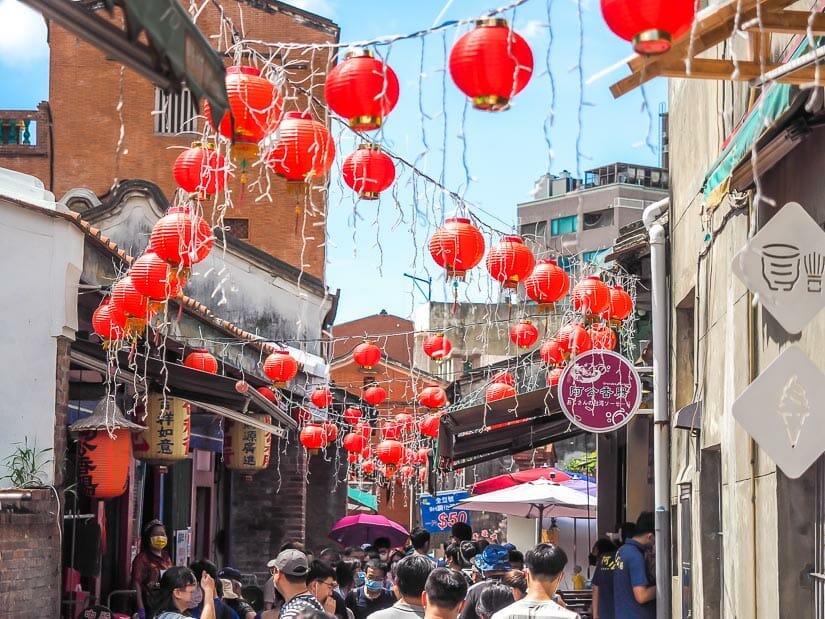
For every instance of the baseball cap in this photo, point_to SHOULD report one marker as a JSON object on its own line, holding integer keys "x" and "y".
{"x": 230, "y": 572}
{"x": 228, "y": 593}
{"x": 494, "y": 558}
{"x": 290, "y": 562}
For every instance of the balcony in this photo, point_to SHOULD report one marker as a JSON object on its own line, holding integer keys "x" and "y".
{"x": 24, "y": 132}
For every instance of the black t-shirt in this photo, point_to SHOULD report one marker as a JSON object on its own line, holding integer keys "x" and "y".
{"x": 362, "y": 606}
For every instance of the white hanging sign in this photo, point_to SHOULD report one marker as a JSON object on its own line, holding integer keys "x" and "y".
{"x": 783, "y": 265}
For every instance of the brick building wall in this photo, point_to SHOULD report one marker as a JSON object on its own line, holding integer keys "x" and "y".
{"x": 30, "y": 556}
{"x": 32, "y": 157}
{"x": 61, "y": 409}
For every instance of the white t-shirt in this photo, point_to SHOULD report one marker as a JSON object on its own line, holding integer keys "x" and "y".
{"x": 527, "y": 609}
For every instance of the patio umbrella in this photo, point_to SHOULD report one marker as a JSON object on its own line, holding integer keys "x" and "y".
{"x": 536, "y": 499}
{"x": 508, "y": 480}
{"x": 581, "y": 485}
{"x": 365, "y": 528}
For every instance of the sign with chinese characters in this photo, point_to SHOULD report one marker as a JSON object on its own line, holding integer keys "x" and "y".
{"x": 783, "y": 265}
{"x": 783, "y": 411}
{"x": 437, "y": 513}
{"x": 246, "y": 448}
{"x": 599, "y": 391}
{"x": 167, "y": 433}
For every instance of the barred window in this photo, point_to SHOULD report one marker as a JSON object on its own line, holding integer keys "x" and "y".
{"x": 174, "y": 112}
{"x": 238, "y": 227}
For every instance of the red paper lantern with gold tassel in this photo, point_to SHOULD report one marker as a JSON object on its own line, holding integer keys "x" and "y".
{"x": 362, "y": 89}
{"x": 200, "y": 170}
{"x": 457, "y": 246}
{"x": 368, "y": 171}
{"x": 302, "y": 150}
{"x": 510, "y": 261}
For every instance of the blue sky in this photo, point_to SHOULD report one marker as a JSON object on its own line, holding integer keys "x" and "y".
{"x": 372, "y": 244}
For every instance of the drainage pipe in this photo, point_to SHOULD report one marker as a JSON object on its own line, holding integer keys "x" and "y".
{"x": 661, "y": 416}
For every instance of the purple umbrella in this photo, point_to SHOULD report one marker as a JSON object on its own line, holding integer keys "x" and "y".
{"x": 582, "y": 485}
{"x": 365, "y": 528}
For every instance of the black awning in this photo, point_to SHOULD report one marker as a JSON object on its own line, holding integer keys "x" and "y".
{"x": 489, "y": 431}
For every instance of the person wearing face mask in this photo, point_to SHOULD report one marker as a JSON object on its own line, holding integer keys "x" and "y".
{"x": 148, "y": 567}
{"x": 372, "y": 597}
{"x": 180, "y": 593}
{"x": 382, "y": 545}
{"x": 634, "y": 594}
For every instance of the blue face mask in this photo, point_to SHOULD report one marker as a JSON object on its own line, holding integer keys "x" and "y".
{"x": 360, "y": 577}
{"x": 373, "y": 585}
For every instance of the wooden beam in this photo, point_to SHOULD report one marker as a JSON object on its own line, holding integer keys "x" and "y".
{"x": 760, "y": 45}
{"x": 788, "y": 22}
{"x": 743, "y": 71}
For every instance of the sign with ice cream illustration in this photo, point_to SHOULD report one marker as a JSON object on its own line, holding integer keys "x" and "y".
{"x": 782, "y": 410}
{"x": 783, "y": 265}
{"x": 599, "y": 391}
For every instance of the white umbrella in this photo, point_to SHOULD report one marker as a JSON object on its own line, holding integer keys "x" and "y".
{"x": 536, "y": 499}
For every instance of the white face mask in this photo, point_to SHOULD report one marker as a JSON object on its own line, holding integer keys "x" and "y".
{"x": 195, "y": 599}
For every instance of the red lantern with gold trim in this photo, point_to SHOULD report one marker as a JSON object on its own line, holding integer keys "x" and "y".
{"x": 590, "y": 296}
{"x": 368, "y": 171}
{"x": 602, "y": 336}
{"x": 313, "y": 437}
{"x": 321, "y": 397}
{"x": 280, "y": 367}
{"x": 181, "y": 237}
{"x": 547, "y": 284}
{"x": 437, "y": 346}
{"x": 491, "y": 64}
{"x": 362, "y": 89}
{"x": 103, "y": 462}
{"x": 457, "y": 246}
{"x": 302, "y": 149}
{"x": 354, "y": 442}
{"x": 389, "y": 452}
{"x": 651, "y": 25}
{"x": 619, "y": 307}
{"x": 200, "y": 170}
{"x": 108, "y": 327}
{"x": 352, "y": 415}
{"x": 375, "y": 395}
{"x": 510, "y": 261}
{"x": 202, "y": 360}
{"x": 430, "y": 424}
{"x": 366, "y": 355}
{"x": 432, "y": 397}
{"x": 573, "y": 339}
{"x": 551, "y": 352}
{"x": 524, "y": 334}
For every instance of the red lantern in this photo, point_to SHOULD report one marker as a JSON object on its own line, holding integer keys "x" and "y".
{"x": 499, "y": 391}
{"x": 430, "y": 424}
{"x": 321, "y": 397}
{"x": 366, "y": 355}
{"x": 553, "y": 377}
{"x": 390, "y": 431}
{"x": 255, "y": 108}
{"x": 152, "y": 277}
{"x": 405, "y": 421}
{"x": 457, "y": 246}
{"x": 524, "y": 334}
{"x": 437, "y": 346}
{"x": 280, "y": 367}
{"x": 368, "y": 171}
{"x": 103, "y": 463}
{"x": 374, "y": 395}
{"x": 352, "y": 416}
{"x": 590, "y": 296}
{"x": 423, "y": 476}
{"x": 491, "y": 64}
{"x": 354, "y": 442}
{"x": 181, "y": 237}
{"x": 302, "y": 149}
{"x": 313, "y": 437}
{"x": 200, "y": 170}
{"x": 353, "y": 458}
{"x": 620, "y": 305}
{"x": 368, "y": 467}
{"x": 406, "y": 472}
{"x": 602, "y": 336}
{"x": 574, "y": 339}
{"x": 548, "y": 283}
{"x": 331, "y": 430}
{"x": 510, "y": 261}
{"x": 268, "y": 394}
{"x": 432, "y": 397}
{"x": 362, "y": 89}
{"x": 389, "y": 452}
{"x": 202, "y": 360}
{"x": 128, "y": 301}
{"x": 503, "y": 377}
{"x": 366, "y": 453}
{"x": 302, "y": 415}
{"x": 105, "y": 325}
{"x": 651, "y": 25}
{"x": 364, "y": 429}
{"x": 422, "y": 456}
{"x": 551, "y": 352}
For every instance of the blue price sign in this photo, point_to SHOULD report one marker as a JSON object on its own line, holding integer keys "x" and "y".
{"x": 437, "y": 513}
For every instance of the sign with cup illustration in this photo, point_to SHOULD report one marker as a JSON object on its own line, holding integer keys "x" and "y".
{"x": 784, "y": 265}
{"x": 783, "y": 413}
{"x": 599, "y": 391}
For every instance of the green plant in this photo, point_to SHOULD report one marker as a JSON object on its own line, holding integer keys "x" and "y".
{"x": 25, "y": 465}
{"x": 585, "y": 465}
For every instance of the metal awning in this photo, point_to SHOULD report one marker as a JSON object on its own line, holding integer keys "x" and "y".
{"x": 364, "y": 499}
{"x": 689, "y": 417}
{"x": 489, "y": 431}
{"x": 178, "y": 51}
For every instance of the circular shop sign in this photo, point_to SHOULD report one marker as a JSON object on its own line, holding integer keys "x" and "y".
{"x": 600, "y": 391}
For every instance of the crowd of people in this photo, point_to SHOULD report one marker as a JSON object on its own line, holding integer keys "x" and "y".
{"x": 473, "y": 580}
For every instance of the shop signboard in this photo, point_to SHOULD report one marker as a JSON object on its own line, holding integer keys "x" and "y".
{"x": 437, "y": 513}
{"x": 599, "y": 391}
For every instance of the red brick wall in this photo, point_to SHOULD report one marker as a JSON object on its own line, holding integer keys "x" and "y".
{"x": 30, "y": 556}
{"x": 84, "y": 94}
{"x": 61, "y": 408}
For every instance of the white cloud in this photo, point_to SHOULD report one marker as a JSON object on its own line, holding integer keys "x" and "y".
{"x": 22, "y": 34}
{"x": 324, "y": 8}
{"x": 533, "y": 30}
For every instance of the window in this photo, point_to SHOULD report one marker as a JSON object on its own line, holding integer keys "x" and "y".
{"x": 598, "y": 219}
{"x": 174, "y": 112}
{"x": 535, "y": 229}
{"x": 564, "y": 225}
{"x": 591, "y": 257}
{"x": 237, "y": 227}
